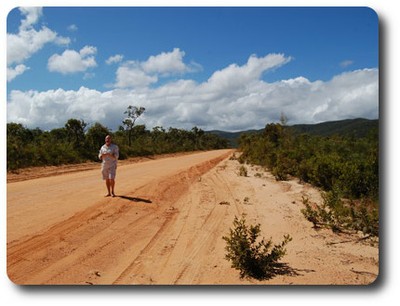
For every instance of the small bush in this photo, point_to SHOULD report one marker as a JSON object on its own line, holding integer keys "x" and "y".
{"x": 252, "y": 257}
{"x": 243, "y": 171}
{"x": 279, "y": 172}
{"x": 340, "y": 216}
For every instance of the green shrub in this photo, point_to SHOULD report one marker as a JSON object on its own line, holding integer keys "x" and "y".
{"x": 350, "y": 164}
{"x": 243, "y": 171}
{"x": 340, "y": 216}
{"x": 252, "y": 257}
{"x": 280, "y": 172}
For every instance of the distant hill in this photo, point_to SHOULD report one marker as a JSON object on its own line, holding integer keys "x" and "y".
{"x": 350, "y": 127}
{"x": 232, "y": 137}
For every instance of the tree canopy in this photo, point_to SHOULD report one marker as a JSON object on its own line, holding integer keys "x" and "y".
{"x": 76, "y": 142}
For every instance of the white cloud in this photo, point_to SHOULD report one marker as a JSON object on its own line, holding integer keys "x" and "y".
{"x": 131, "y": 75}
{"x": 252, "y": 70}
{"x": 134, "y": 74}
{"x": 114, "y": 59}
{"x": 22, "y": 45}
{"x": 351, "y": 94}
{"x": 32, "y": 15}
{"x": 71, "y": 61}
{"x": 346, "y": 63}
{"x": 234, "y": 77}
{"x": 234, "y": 98}
{"x": 87, "y": 51}
{"x": 13, "y": 72}
{"x": 166, "y": 63}
{"x": 72, "y": 28}
{"x": 89, "y": 75}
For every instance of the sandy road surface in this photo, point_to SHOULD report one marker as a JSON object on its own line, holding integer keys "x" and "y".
{"x": 165, "y": 227}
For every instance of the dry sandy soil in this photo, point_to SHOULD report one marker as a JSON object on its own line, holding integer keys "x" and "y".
{"x": 166, "y": 225}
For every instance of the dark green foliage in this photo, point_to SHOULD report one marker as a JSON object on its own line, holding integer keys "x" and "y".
{"x": 357, "y": 128}
{"x": 349, "y": 164}
{"x": 340, "y": 216}
{"x": 94, "y": 139}
{"x": 251, "y": 256}
{"x": 311, "y": 214}
{"x": 75, "y": 132}
{"x": 343, "y": 167}
{"x": 27, "y": 147}
{"x": 354, "y": 128}
{"x": 75, "y": 144}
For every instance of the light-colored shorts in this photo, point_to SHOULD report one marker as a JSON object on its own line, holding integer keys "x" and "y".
{"x": 108, "y": 170}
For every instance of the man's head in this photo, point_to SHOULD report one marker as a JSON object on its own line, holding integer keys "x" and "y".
{"x": 108, "y": 139}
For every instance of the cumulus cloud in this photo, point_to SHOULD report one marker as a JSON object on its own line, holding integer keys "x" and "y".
{"x": 72, "y": 28}
{"x": 32, "y": 15}
{"x": 13, "y": 72}
{"x": 135, "y": 74}
{"x": 351, "y": 94}
{"x": 71, "y": 61}
{"x": 114, "y": 59}
{"x": 131, "y": 75}
{"x": 234, "y": 77}
{"x": 22, "y": 45}
{"x": 166, "y": 63}
{"x": 234, "y": 98}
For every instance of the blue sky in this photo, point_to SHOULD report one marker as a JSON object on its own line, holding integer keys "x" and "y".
{"x": 228, "y": 68}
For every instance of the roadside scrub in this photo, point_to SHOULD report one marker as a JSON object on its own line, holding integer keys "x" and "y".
{"x": 253, "y": 256}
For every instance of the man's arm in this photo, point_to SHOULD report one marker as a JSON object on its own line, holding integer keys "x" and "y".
{"x": 101, "y": 154}
{"x": 116, "y": 152}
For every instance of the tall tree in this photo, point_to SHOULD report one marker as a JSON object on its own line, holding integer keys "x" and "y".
{"x": 95, "y": 138}
{"x": 133, "y": 112}
{"x": 76, "y": 132}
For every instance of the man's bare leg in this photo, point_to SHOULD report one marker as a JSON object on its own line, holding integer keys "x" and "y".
{"x": 112, "y": 184}
{"x": 108, "y": 184}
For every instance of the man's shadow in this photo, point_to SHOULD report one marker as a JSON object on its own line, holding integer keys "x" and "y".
{"x": 134, "y": 199}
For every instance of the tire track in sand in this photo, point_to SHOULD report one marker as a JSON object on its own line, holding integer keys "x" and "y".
{"x": 180, "y": 252}
{"x": 97, "y": 244}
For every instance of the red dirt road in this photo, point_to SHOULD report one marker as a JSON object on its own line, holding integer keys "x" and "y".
{"x": 166, "y": 225}
{"x": 57, "y": 225}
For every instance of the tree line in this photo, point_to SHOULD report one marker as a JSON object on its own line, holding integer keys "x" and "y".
{"x": 76, "y": 142}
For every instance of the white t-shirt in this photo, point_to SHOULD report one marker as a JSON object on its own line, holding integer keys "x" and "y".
{"x": 111, "y": 149}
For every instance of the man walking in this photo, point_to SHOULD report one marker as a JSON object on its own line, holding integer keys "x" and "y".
{"x": 109, "y": 154}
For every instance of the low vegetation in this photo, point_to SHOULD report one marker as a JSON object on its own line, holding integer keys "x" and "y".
{"x": 242, "y": 171}
{"x": 345, "y": 168}
{"x": 254, "y": 257}
{"x": 343, "y": 216}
